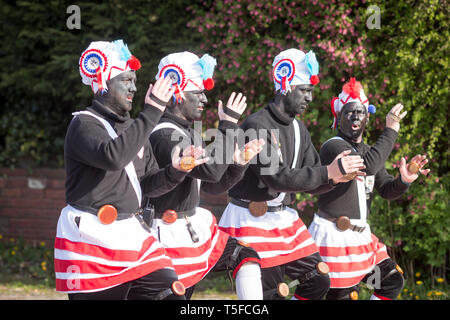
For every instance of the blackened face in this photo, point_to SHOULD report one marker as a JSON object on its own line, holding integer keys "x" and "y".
{"x": 297, "y": 100}
{"x": 192, "y": 106}
{"x": 353, "y": 119}
{"x": 121, "y": 90}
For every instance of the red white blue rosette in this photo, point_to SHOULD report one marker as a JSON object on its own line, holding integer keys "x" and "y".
{"x": 283, "y": 73}
{"x": 177, "y": 75}
{"x": 91, "y": 60}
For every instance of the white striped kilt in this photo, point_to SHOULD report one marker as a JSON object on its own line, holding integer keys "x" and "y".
{"x": 94, "y": 256}
{"x": 350, "y": 255}
{"x": 192, "y": 261}
{"x": 278, "y": 237}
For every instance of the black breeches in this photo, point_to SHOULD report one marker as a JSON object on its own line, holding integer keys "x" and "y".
{"x": 233, "y": 256}
{"x": 386, "y": 279}
{"x": 145, "y": 288}
{"x": 311, "y": 284}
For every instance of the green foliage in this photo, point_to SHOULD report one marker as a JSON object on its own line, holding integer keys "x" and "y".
{"x": 40, "y": 85}
{"x": 26, "y": 262}
{"x": 416, "y": 228}
{"x": 410, "y": 54}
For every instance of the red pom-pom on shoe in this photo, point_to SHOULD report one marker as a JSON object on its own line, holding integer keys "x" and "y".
{"x": 134, "y": 63}
{"x": 208, "y": 83}
{"x": 314, "y": 80}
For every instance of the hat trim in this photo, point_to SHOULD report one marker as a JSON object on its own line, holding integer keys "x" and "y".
{"x": 82, "y": 61}
{"x": 292, "y": 70}
{"x": 180, "y": 73}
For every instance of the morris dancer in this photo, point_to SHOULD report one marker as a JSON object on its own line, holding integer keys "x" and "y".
{"x": 259, "y": 211}
{"x": 340, "y": 226}
{"x": 102, "y": 244}
{"x": 190, "y": 233}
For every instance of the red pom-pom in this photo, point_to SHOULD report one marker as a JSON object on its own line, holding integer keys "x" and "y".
{"x": 352, "y": 88}
{"x": 134, "y": 63}
{"x": 208, "y": 83}
{"x": 314, "y": 80}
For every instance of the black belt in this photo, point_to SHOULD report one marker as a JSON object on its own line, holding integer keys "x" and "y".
{"x": 337, "y": 221}
{"x": 180, "y": 214}
{"x": 123, "y": 216}
{"x": 245, "y": 204}
{"x": 120, "y": 215}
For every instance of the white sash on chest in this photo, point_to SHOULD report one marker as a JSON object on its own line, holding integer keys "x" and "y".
{"x": 278, "y": 200}
{"x": 362, "y": 200}
{"x": 129, "y": 168}
{"x": 169, "y": 125}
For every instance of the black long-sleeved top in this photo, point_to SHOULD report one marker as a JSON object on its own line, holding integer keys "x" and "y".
{"x": 216, "y": 177}
{"x": 343, "y": 200}
{"x": 260, "y": 182}
{"x": 95, "y": 163}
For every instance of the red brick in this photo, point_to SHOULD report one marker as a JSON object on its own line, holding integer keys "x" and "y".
{"x": 33, "y": 193}
{"x": 56, "y": 184}
{"x": 13, "y": 172}
{"x": 17, "y": 182}
{"x": 49, "y": 173}
{"x": 49, "y": 213}
{"x": 2, "y": 182}
{"x": 59, "y": 204}
{"x": 33, "y": 233}
{"x": 29, "y": 213}
{"x": 33, "y": 203}
{"x": 55, "y": 194}
{"x": 4, "y": 203}
{"x": 9, "y": 212}
{"x": 26, "y": 212}
{"x": 31, "y": 223}
{"x": 11, "y": 192}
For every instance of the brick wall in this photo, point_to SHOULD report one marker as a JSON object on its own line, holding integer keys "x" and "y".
{"x": 30, "y": 203}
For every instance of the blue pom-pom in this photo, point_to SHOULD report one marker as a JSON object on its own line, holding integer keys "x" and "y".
{"x": 311, "y": 63}
{"x": 372, "y": 109}
{"x": 122, "y": 48}
{"x": 208, "y": 64}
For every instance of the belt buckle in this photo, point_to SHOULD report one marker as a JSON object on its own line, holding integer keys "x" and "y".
{"x": 257, "y": 208}
{"x": 343, "y": 223}
{"x": 107, "y": 214}
{"x": 169, "y": 216}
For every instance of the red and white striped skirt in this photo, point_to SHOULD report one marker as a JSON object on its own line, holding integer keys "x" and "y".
{"x": 278, "y": 237}
{"x": 192, "y": 261}
{"x": 350, "y": 255}
{"x": 94, "y": 256}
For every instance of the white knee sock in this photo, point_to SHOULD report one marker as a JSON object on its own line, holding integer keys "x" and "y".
{"x": 248, "y": 282}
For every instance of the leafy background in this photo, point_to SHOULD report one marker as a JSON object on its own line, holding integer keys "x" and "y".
{"x": 405, "y": 60}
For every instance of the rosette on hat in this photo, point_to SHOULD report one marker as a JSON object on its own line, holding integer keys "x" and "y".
{"x": 103, "y": 60}
{"x": 352, "y": 91}
{"x": 188, "y": 72}
{"x": 293, "y": 67}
